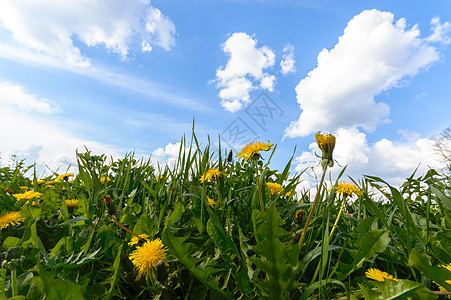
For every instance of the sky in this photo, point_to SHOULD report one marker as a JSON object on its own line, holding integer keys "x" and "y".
{"x": 119, "y": 76}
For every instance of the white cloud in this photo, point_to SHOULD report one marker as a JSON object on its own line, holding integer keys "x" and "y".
{"x": 391, "y": 160}
{"x": 440, "y": 32}
{"x": 374, "y": 54}
{"x": 288, "y": 63}
{"x": 28, "y": 129}
{"x": 244, "y": 70}
{"x": 13, "y": 97}
{"x": 166, "y": 156}
{"x": 53, "y": 27}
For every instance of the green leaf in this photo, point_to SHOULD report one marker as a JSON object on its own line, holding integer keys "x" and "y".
{"x": 404, "y": 289}
{"x": 440, "y": 195}
{"x": 278, "y": 260}
{"x": 369, "y": 245}
{"x": 63, "y": 289}
{"x": 183, "y": 252}
{"x": 145, "y": 225}
{"x": 176, "y": 214}
{"x": 314, "y": 286}
{"x": 114, "y": 279}
{"x": 72, "y": 221}
{"x": 421, "y": 262}
{"x": 11, "y": 242}
{"x": 222, "y": 240}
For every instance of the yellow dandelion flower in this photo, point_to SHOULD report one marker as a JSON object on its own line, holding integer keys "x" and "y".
{"x": 27, "y": 195}
{"x": 146, "y": 258}
{"x": 275, "y": 189}
{"x": 326, "y": 142}
{"x": 448, "y": 266}
{"x": 211, "y": 202}
{"x": 134, "y": 240}
{"x": 378, "y": 275}
{"x": 300, "y": 213}
{"x": 103, "y": 178}
{"x": 64, "y": 176}
{"x": 159, "y": 177}
{"x": 211, "y": 175}
{"x": 252, "y": 150}
{"x": 347, "y": 189}
{"x": 10, "y": 218}
{"x": 40, "y": 181}
{"x": 72, "y": 203}
{"x": 24, "y": 188}
{"x": 288, "y": 194}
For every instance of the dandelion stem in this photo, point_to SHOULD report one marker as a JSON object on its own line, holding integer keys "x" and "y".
{"x": 125, "y": 228}
{"x": 258, "y": 187}
{"x": 310, "y": 215}
{"x": 14, "y": 282}
{"x": 331, "y": 234}
{"x": 217, "y": 192}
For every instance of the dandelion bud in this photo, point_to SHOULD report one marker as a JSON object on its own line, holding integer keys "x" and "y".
{"x": 230, "y": 157}
{"x": 109, "y": 204}
{"x": 326, "y": 142}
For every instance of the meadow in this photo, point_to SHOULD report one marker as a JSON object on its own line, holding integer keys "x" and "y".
{"x": 221, "y": 227}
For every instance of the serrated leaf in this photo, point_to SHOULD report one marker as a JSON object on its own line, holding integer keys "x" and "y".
{"x": 404, "y": 289}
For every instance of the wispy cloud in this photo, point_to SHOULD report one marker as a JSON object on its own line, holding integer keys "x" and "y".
{"x": 152, "y": 90}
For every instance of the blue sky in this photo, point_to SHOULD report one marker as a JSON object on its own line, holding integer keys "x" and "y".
{"x": 119, "y": 76}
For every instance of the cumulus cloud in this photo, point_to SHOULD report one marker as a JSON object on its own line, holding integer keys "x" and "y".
{"x": 53, "y": 27}
{"x": 245, "y": 70}
{"x": 288, "y": 63}
{"x": 13, "y": 97}
{"x": 167, "y": 155}
{"x": 29, "y": 130}
{"x": 375, "y": 53}
{"x": 391, "y": 160}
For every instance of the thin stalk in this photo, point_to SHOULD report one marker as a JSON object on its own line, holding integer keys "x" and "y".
{"x": 330, "y": 235}
{"x": 312, "y": 209}
{"x": 338, "y": 217}
{"x": 125, "y": 228}
{"x": 217, "y": 193}
{"x": 14, "y": 282}
{"x": 259, "y": 189}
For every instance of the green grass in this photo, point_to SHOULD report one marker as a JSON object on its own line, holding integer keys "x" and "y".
{"x": 234, "y": 250}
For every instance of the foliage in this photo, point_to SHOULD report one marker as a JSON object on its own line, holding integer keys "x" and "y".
{"x": 234, "y": 249}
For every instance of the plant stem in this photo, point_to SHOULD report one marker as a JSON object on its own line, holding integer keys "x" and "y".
{"x": 217, "y": 192}
{"x": 338, "y": 217}
{"x": 14, "y": 282}
{"x": 330, "y": 235}
{"x": 318, "y": 192}
{"x": 125, "y": 228}
{"x": 259, "y": 189}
